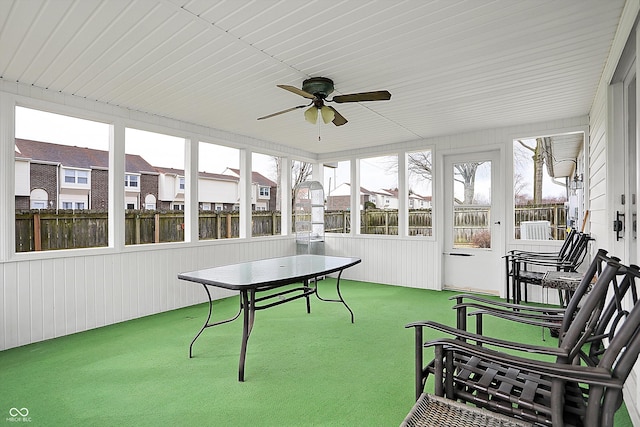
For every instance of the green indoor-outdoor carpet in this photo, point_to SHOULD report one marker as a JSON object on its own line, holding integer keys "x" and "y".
{"x": 302, "y": 369}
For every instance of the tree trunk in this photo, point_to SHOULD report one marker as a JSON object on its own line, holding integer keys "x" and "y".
{"x": 538, "y": 165}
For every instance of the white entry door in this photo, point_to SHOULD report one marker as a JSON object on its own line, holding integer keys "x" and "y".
{"x": 473, "y": 224}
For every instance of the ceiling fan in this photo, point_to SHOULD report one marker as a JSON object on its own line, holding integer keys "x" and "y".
{"x": 317, "y": 89}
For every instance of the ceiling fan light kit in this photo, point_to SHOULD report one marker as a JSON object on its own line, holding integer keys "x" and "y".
{"x": 317, "y": 89}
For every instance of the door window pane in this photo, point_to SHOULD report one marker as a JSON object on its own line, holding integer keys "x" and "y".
{"x": 472, "y": 205}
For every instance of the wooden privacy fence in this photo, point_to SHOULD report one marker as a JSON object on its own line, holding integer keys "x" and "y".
{"x": 385, "y": 221}
{"x": 41, "y": 230}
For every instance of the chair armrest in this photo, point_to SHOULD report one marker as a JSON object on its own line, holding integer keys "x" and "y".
{"x": 522, "y": 307}
{"x": 459, "y": 333}
{"x": 550, "y": 321}
{"x": 515, "y": 252}
{"x": 567, "y": 372}
{"x": 510, "y": 314}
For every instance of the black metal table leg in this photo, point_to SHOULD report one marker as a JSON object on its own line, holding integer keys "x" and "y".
{"x": 306, "y": 285}
{"x": 339, "y": 295}
{"x": 207, "y": 324}
{"x": 245, "y": 334}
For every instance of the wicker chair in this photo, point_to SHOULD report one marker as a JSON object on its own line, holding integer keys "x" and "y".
{"x": 558, "y": 392}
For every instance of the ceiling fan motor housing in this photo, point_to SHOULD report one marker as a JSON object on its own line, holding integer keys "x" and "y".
{"x": 318, "y": 86}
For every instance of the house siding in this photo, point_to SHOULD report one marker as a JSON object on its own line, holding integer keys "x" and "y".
{"x": 604, "y": 151}
{"x": 45, "y": 177}
{"x": 99, "y": 189}
{"x": 148, "y": 186}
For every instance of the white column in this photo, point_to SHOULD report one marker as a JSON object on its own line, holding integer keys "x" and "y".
{"x": 8, "y": 175}
{"x": 116, "y": 184}
{"x": 245, "y": 193}
{"x": 285, "y": 196}
{"x": 191, "y": 200}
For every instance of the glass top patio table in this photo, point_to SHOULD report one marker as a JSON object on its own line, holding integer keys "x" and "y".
{"x": 252, "y": 277}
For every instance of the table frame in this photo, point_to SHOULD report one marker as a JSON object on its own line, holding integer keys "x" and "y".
{"x": 223, "y": 277}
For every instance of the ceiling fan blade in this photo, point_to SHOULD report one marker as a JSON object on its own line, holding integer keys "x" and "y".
{"x": 381, "y": 95}
{"x": 296, "y": 91}
{"x": 282, "y": 112}
{"x": 338, "y": 120}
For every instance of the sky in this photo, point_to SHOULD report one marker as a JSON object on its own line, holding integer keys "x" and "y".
{"x": 157, "y": 149}
{"x": 168, "y": 151}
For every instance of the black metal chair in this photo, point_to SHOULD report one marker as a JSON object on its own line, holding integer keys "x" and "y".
{"x": 569, "y": 241}
{"x": 555, "y": 319}
{"x": 520, "y": 264}
{"x": 604, "y": 335}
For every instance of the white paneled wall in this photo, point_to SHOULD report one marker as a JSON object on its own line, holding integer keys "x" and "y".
{"x": 409, "y": 262}
{"x": 603, "y": 147}
{"x": 48, "y": 298}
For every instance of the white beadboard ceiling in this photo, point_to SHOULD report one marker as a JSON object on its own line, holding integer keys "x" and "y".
{"x": 451, "y": 66}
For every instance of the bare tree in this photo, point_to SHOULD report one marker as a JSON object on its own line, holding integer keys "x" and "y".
{"x": 466, "y": 174}
{"x": 420, "y": 164}
{"x": 539, "y": 155}
{"x": 300, "y": 172}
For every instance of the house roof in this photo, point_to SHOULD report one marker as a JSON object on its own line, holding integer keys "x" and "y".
{"x": 256, "y": 177}
{"x": 451, "y": 67}
{"x": 209, "y": 175}
{"x": 76, "y": 157}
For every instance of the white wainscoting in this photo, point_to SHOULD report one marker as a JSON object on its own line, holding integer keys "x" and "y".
{"x": 42, "y": 299}
{"x": 409, "y": 262}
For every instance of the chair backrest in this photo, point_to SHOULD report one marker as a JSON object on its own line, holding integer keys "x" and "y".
{"x": 619, "y": 357}
{"x": 603, "y": 311}
{"x": 568, "y": 243}
{"x": 576, "y": 252}
{"x": 593, "y": 272}
{"x": 623, "y": 297}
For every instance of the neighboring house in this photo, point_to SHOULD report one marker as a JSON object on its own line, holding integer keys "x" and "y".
{"x": 264, "y": 191}
{"x": 340, "y": 197}
{"x": 170, "y": 189}
{"x": 216, "y": 192}
{"x": 385, "y": 199}
{"x": 50, "y": 176}
{"x": 416, "y": 201}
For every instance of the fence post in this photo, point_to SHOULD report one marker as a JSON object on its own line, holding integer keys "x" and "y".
{"x": 228, "y": 225}
{"x": 273, "y": 223}
{"x": 137, "y": 228}
{"x": 344, "y": 220}
{"x": 386, "y": 223}
{"x": 37, "y": 237}
{"x": 157, "y": 227}
{"x": 218, "y": 225}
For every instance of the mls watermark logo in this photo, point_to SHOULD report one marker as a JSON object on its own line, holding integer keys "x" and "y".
{"x": 18, "y": 415}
